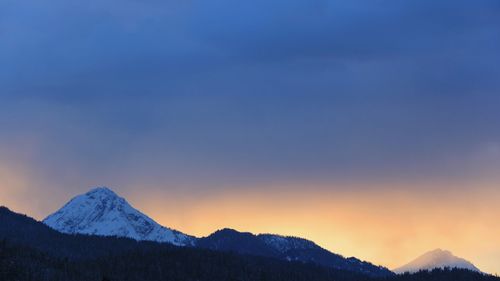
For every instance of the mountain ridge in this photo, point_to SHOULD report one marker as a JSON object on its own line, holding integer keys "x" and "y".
{"x": 286, "y": 248}
{"x": 32, "y": 251}
{"x": 437, "y": 258}
{"x": 102, "y": 212}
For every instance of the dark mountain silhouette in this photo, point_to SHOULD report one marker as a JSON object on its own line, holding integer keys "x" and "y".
{"x": 31, "y": 251}
{"x": 103, "y": 212}
{"x": 285, "y": 248}
{"x": 230, "y": 240}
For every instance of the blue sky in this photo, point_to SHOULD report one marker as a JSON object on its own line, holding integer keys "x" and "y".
{"x": 216, "y": 93}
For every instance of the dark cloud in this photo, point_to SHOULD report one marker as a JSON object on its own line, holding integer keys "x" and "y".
{"x": 223, "y": 93}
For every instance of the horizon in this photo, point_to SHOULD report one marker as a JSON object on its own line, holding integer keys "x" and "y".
{"x": 393, "y": 267}
{"x": 369, "y": 127}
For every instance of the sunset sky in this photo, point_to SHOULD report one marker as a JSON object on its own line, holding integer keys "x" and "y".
{"x": 369, "y": 127}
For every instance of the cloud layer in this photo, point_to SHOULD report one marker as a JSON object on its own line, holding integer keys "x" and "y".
{"x": 205, "y": 96}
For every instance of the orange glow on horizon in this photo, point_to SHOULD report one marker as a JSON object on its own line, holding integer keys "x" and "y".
{"x": 386, "y": 226}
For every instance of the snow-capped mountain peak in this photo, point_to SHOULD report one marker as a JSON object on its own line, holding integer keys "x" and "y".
{"x": 102, "y": 212}
{"x": 436, "y": 259}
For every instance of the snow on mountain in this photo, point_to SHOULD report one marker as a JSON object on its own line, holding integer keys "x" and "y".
{"x": 102, "y": 212}
{"x": 436, "y": 259}
{"x": 285, "y": 248}
{"x": 283, "y": 244}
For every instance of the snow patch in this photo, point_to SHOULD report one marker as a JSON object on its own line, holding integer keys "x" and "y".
{"x": 102, "y": 212}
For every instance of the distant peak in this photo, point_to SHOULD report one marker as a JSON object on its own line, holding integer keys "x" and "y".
{"x": 101, "y": 190}
{"x": 437, "y": 258}
{"x": 439, "y": 251}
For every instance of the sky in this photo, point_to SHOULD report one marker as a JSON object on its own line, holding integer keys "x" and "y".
{"x": 370, "y": 127}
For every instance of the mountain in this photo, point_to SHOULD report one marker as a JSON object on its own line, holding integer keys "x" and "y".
{"x": 102, "y": 212}
{"x": 24, "y": 231}
{"x": 230, "y": 240}
{"x": 32, "y": 251}
{"x": 436, "y": 259}
{"x": 285, "y": 248}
